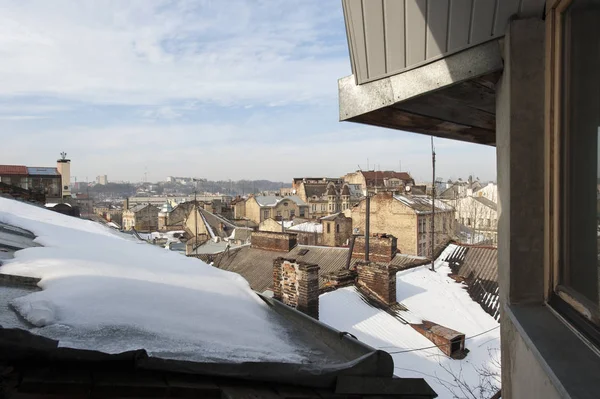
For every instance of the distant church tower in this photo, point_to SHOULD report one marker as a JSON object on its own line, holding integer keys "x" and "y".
{"x": 64, "y": 168}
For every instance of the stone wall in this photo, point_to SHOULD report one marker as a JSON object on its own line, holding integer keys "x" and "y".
{"x": 378, "y": 280}
{"x": 382, "y": 247}
{"x": 296, "y": 284}
{"x": 272, "y": 241}
{"x": 340, "y": 229}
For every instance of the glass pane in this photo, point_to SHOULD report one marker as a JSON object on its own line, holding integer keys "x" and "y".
{"x": 581, "y": 121}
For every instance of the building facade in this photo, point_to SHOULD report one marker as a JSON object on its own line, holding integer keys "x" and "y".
{"x": 408, "y": 218}
{"x": 259, "y": 208}
{"x": 141, "y": 218}
{"x": 326, "y": 196}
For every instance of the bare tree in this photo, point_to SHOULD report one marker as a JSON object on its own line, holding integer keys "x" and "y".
{"x": 487, "y": 386}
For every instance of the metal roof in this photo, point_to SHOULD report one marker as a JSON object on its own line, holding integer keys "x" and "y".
{"x": 478, "y": 266}
{"x": 272, "y": 200}
{"x": 13, "y": 170}
{"x": 421, "y": 204}
{"x": 41, "y": 171}
{"x": 256, "y": 265}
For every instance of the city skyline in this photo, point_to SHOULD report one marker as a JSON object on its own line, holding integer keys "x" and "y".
{"x": 222, "y": 91}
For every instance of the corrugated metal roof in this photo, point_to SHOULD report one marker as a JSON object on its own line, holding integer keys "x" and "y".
{"x": 479, "y": 268}
{"x": 41, "y": 171}
{"x": 13, "y": 170}
{"x": 256, "y": 265}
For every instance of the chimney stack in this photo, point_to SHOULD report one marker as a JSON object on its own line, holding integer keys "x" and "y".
{"x": 378, "y": 280}
{"x": 382, "y": 247}
{"x": 296, "y": 284}
{"x": 272, "y": 241}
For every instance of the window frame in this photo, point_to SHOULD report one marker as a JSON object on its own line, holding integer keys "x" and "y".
{"x": 582, "y": 313}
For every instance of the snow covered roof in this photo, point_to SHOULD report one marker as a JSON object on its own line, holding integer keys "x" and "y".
{"x": 103, "y": 290}
{"x": 272, "y": 200}
{"x": 307, "y": 227}
{"x": 421, "y": 204}
{"x": 429, "y": 296}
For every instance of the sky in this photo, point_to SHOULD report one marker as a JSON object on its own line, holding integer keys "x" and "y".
{"x": 237, "y": 89}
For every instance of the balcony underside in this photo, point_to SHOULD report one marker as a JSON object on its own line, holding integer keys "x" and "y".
{"x": 453, "y": 98}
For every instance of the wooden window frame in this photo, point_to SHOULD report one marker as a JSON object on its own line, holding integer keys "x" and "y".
{"x": 561, "y": 297}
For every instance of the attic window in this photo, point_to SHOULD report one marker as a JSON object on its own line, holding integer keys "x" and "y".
{"x": 303, "y": 252}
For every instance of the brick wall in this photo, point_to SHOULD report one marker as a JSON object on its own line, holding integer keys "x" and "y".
{"x": 272, "y": 241}
{"x": 296, "y": 284}
{"x": 382, "y": 247}
{"x": 389, "y": 216}
{"x": 378, "y": 280}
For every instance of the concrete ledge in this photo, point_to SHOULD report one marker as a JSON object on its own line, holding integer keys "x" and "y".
{"x": 571, "y": 366}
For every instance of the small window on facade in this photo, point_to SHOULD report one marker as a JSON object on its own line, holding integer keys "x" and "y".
{"x": 337, "y": 228}
{"x": 328, "y": 228}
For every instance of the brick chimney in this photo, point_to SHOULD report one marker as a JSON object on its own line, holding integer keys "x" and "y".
{"x": 378, "y": 280}
{"x": 449, "y": 341}
{"x": 382, "y": 247}
{"x": 296, "y": 284}
{"x": 271, "y": 241}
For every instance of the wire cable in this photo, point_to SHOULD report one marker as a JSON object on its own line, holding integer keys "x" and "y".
{"x": 434, "y": 346}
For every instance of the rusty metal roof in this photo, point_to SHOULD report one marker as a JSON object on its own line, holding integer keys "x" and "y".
{"x": 256, "y": 265}
{"x": 478, "y": 266}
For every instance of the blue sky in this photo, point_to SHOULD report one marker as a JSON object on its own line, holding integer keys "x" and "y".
{"x": 216, "y": 89}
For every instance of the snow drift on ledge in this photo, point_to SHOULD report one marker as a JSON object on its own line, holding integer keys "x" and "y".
{"x": 104, "y": 290}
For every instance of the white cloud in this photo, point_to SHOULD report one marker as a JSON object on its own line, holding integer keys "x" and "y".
{"x": 153, "y": 52}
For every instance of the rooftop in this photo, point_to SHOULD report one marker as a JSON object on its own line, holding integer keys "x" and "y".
{"x": 431, "y": 296}
{"x": 421, "y": 204}
{"x": 487, "y": 202}
{"x": 126, "y": 298}
{"x": 272, "y": 200}
{"x": 13, "y": 170}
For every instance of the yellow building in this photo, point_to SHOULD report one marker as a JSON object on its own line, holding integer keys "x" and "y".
{"x": 259, "y": 208}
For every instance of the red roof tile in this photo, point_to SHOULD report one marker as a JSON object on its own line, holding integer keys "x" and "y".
{"x": 13, "y": 170}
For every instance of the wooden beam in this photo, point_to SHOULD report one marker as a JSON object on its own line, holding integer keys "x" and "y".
{"x": 437, "y": 106}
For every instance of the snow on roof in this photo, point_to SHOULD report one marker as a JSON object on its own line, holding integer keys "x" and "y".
{"x": 431, "y": 296}
{"x": 272, "y": 200}
{"x": 308, "y": 227}
{"x": 53, "y": 204}
{"x": 422, "y": 203}
{"x": 106, "y": 291}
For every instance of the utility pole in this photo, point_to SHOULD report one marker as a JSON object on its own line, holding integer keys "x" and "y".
{"x": 432, "y": 207}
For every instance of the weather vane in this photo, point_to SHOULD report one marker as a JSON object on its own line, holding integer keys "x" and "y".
{"x": 63, "y": 155}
